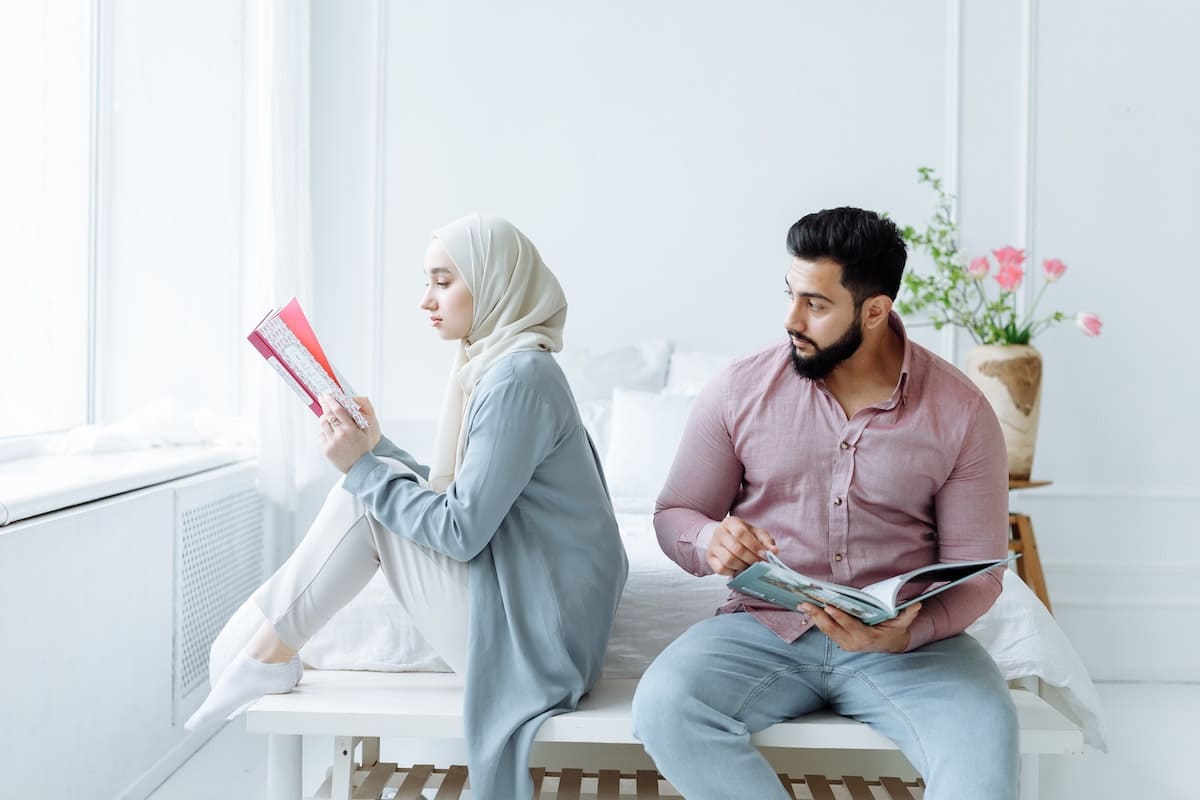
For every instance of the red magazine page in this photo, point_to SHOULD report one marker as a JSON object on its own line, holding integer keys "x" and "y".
{"x": 293, "y": 317}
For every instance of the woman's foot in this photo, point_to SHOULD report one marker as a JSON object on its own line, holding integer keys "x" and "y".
{"x": 244, "y": 681}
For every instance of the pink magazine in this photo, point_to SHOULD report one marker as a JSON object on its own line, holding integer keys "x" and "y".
{"x": 286, "y": 340}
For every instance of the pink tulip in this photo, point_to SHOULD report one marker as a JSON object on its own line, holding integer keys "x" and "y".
{"x": 1053, "y": 269}
{"x": 979, "y": 268}
{"x": 1009, "y": 276}
{"x": 1090, "y": 324}
{"x": 1009, "y": 256}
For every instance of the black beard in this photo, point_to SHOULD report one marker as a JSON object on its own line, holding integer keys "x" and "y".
{"x": 826, "y": 359}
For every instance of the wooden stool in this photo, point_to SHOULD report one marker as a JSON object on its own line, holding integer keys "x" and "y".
{"x": 1021, "y": 540}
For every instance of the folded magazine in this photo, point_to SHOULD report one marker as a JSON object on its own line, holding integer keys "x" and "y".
{"x": 777, "y": 583}
{"x": 287, "y": 341}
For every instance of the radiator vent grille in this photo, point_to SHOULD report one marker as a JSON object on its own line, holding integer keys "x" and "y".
{"x": 219, "y": 562}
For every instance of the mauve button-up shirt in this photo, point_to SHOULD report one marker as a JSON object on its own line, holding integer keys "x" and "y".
{"x": 918, "y": 479}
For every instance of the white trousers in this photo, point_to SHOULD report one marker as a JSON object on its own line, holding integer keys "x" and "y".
{"x": 338, "y": 556}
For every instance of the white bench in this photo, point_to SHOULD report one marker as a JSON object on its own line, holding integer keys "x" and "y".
{"x": 361, "y": 707}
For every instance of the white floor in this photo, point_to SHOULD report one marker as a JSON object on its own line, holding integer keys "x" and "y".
{"x": 1150, "y": 727}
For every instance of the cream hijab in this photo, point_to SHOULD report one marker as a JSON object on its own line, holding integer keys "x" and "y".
{"x": 519, "y": 305}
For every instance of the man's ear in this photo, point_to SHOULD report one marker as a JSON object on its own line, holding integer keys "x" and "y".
{"x": 876, "y": 310}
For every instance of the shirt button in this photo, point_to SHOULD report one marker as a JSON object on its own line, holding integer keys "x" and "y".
{"x": 845, "y": 446}
{"x": 837, "y": 501}
{"x": 837, "y": 557}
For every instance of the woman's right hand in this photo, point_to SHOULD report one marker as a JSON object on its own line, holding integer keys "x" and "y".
{"x": 374, "y": 434}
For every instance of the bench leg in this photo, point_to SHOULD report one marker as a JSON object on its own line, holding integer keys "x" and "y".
{"x": 284, "y": 756}
{"x": 1029, "y": 777}
{"x": 370, "y": 751}
{"x": 341, "y": 785}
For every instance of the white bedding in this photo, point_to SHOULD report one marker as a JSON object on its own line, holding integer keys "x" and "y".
{"x": 660, "y": 602}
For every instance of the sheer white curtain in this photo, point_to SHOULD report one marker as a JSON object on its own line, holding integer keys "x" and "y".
{"x": 277, "y": 237}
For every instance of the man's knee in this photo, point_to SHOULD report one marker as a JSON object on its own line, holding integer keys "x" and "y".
{"x": 662, "y": 695}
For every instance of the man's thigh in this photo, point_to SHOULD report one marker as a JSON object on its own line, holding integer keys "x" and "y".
{"x": 741, "y": 668}
{"x": 935, "y": 699}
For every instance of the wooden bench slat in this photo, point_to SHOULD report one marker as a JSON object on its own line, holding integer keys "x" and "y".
{"x": 859, "y": 789}
{"x": 453, "y": 783}
{"x": 819, "y": 787}
{"x": 896, "y": 788}
{"x": 414, "y": 782}
{"x": 647, "y": 784}
{"x": 608, "y": 786}
{"x": 570, "y": 784}
{"x": 376, "y": 779}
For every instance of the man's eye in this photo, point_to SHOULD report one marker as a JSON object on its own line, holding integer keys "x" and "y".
{"x": 815, "y": 306}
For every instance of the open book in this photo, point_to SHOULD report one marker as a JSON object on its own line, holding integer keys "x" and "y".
{"x": 287, "y": 341}
{"x": 775, "y": 582}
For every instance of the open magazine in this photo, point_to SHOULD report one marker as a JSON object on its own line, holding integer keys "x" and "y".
{"x": 777, "y": 583}
{"x": 286, "y": 340}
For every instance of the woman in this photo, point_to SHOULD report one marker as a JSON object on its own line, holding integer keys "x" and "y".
{"x": 509, "y": 561}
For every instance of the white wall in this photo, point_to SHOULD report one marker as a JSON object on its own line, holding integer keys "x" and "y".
{"x": 655, "y": 154}
{"x": 658, "y": 152}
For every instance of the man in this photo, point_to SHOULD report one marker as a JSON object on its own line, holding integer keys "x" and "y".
{"x": 854, "y": 454}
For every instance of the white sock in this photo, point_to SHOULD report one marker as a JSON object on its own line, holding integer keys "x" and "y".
{"x": 245, "y": 680}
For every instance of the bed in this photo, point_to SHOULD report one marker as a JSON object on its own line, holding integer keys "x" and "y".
{"x": 634, "y": 401}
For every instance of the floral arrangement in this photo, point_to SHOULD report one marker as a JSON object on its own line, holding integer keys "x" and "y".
{"x": 957, "y": 292}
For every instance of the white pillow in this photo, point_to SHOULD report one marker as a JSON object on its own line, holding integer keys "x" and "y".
{"x": 593, "y": 374}
{"x": 691, "y": 369}
{"x": 597, "y": 418}
{"x": 643, "y": 436}
{"x": 1024, "y": 640}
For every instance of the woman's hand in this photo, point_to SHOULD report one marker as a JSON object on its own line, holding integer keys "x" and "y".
{"x": 342, "y": 440}
{"x": 374, "y": 434}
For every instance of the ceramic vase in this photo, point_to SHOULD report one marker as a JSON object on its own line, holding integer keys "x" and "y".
{"x": 1010, "y": 376}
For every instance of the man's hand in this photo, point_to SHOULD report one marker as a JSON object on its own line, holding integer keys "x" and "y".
{"x": 735, "y": 545}
{"x": 853, "y": 636}
{"x": 341, "y": 438}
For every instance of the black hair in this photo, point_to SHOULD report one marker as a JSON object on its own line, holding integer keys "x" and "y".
{"x": 868, "y": 248}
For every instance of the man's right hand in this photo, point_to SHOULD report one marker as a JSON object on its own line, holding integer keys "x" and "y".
{"x": 735, "y": 545}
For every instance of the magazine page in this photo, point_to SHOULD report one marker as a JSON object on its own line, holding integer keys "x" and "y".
{"x": 776, "y": 583}
{"x": 294, "y": 348}
{"x": 887, "y": 591}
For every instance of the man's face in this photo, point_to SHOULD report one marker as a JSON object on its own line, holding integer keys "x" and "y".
{"x": 823, "y": 320}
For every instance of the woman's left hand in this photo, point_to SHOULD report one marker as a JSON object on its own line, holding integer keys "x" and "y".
{"x": 343, "y": 441}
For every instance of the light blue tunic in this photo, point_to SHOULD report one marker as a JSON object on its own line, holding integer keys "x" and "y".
{"x": 530, "y": 511}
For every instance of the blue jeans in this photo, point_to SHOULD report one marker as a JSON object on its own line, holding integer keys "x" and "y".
{"x": 945, "y": 705}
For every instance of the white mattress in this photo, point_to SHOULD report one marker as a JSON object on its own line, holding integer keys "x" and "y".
{"x": 660, "y": 602}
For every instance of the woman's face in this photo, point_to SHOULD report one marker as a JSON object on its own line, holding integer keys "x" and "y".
{"x": 447, "y": 297}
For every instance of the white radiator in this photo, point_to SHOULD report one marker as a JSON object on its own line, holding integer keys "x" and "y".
{"x": 219, "y": 549}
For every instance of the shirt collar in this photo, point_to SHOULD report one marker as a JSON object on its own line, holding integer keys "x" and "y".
{"x": 900, "y": 393}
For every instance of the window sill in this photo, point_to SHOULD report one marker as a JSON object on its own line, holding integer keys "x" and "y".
{"x": 39, "y": 485}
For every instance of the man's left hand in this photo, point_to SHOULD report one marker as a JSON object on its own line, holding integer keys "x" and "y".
{"x": 342, "y": 440}
{"x": 852, "y": 635}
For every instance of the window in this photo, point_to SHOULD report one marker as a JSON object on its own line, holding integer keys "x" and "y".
{"x": 46, "y": 205}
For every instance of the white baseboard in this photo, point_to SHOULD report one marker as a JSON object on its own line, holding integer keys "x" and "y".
{"x": 166, "y": 766}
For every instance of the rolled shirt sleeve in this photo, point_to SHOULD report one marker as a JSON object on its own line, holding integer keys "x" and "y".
{"x": 701, "y": 485}
{"x": 510, "y": 432}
